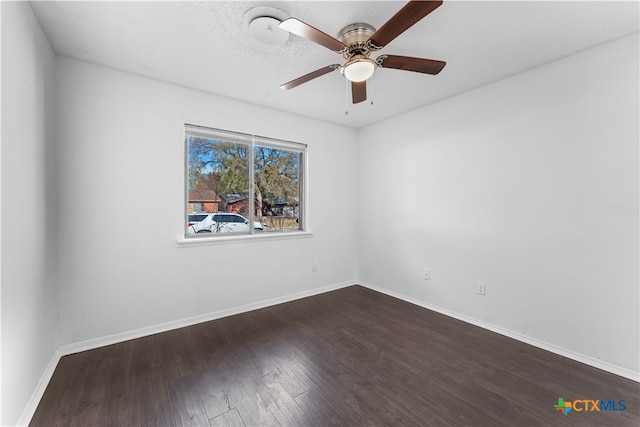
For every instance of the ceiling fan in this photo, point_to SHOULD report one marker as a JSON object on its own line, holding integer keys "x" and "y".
{"x": 355, "y": 43}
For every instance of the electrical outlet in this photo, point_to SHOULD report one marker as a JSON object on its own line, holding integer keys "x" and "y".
{"x": 481, "y": 288}
{"x": 426, "y": 274}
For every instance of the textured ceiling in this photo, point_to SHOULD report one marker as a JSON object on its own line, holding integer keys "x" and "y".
{"x": 204, "y": 45}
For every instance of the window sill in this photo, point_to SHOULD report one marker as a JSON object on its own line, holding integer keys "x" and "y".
{"x": 183, "y": 242}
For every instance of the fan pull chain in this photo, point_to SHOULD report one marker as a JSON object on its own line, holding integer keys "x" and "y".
{"x": 371, "y": 87}
{"x": 346, "y": 97}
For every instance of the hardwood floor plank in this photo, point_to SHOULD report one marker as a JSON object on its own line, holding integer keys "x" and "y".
{"x": 283, "y": 407}
{"x": 227, "y": 419}
{"x": 154, "y": 402}
{"x": 291, "y": 376}
{"x": 152, "y": 380}
{"x": 155, "y": 409}
{"x": 57, "y": 406}
{"x": 175, "y": 357}
{"x": 286, "y": 362}
{"x": 214, "y": 395}
{"x": 250, "y": 405}
{"x": 185, "y": 403}
{"x": 124, "y": 411}
{"x": 90, "y": 414}
{"x": 367, "y": 403}
{"x": 338, "y": 390}
{"x": 97, "y": 386}
{"x": 149, "y": 352}
{"x": 317, "y": 410}
{"x": 237, "y": 364}
{"x": 127, "y": 362}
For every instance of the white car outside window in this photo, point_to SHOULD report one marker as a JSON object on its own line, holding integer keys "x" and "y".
{"x": 220, "y": 222}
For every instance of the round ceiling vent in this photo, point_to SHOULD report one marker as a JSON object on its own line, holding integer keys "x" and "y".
{"x": 262, "y": 23}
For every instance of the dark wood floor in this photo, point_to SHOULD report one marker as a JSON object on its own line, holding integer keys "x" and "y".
{"x": 352, "y": 357}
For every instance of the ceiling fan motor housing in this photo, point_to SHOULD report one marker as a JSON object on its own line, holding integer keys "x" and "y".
{"x": 355, "y": 36}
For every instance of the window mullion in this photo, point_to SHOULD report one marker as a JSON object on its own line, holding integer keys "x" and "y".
{"x": 252, "y": 192}
{"x": 302, "y": 225}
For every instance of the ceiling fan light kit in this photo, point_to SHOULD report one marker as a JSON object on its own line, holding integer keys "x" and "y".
{"x": 355, "y": 43}
{"x": 359, "y": 69}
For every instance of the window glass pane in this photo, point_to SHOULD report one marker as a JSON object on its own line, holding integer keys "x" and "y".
{"x": 226, "y": 193}
{"x": 277, "y": 187}
{"x": 218, "y": 181}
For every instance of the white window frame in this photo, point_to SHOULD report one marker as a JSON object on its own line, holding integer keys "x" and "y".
{"x": 251, "y": 141}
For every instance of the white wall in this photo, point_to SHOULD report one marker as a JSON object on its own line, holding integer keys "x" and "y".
{"x": 529, "y": 185}
{"x": 121, "y": 181}
{"x": 29, "y": 309}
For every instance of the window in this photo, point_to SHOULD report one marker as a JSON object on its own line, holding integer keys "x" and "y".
{"x": 225, "y": 195}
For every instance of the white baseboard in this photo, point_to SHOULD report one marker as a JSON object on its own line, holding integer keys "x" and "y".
{"x": 189, "y": 321}
{"x": 591, "y": 361}
{"x": 37, "y": 394}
